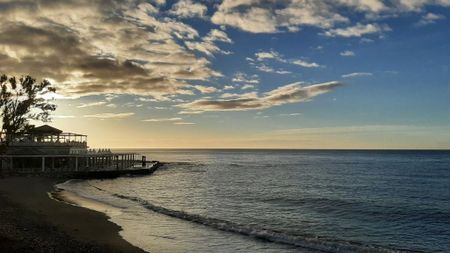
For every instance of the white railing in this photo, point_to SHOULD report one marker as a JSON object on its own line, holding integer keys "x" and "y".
{"x": 27, "y": 139}
{"x": 99, "y": 151}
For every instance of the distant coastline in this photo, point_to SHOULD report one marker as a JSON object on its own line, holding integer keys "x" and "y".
{"x": 282, "y": 149}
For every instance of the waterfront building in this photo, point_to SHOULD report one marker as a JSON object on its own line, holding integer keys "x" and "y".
{"x": 46, "y": 149}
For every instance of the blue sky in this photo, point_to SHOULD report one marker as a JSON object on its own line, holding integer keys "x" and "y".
{"x": 242, "y": 73}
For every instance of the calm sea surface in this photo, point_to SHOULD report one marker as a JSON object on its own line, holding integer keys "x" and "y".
{"x": 282, "y": 201}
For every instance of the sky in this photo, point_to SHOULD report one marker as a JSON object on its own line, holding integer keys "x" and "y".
{"x": 367, "y": 74}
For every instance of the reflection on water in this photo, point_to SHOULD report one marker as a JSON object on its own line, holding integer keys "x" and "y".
{"x": 348, "y": 199}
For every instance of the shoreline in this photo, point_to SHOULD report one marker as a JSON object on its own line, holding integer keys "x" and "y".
{"x": 31, "y": 221}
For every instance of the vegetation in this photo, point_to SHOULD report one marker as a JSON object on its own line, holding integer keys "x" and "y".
{"x": 23, "y": 100}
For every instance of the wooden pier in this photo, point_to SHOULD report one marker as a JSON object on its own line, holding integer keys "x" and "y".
{"x": 74, "y": 164}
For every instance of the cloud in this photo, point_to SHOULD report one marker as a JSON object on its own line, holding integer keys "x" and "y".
{"x": 190, "y": 112}
{"x": 110, "y": 97}
{"x": 259, "y": 16}
{"x": 184, "y": 123}
{"x": 218, "y": 35}
{"x": 265, "y": 68}
{"x": 373, "y": 6}
{"x": 63, "y": 116}
{"x": 252, "y": 95}
{"x": 247, "y": 86}
{"x": 260, "y": 56}
{"x": 92, "y": 104}
{"x": 160, "y": 2}
{"x": 273, "y": 55}
{"x": 291, "y": 93}
{"x": 162, "y": 119}
{"x": 262, "y": 16}
{"x": 110, "y": 115}
{"x": 429, "y": 18}
{"x": 418, "y": 5}
{"x": 357, "y": 30}
{"x": 291, "y": 114}
{"x": 357, "y": 74}
{"x": 205, "y": 89}
{"x": 188, "y": 9}
{"x": 305, "y": 64}
{"x": 347, "y": 53}
{"x": 101, "y": 47}
{"x": 207, "y": 45}
{"x": 240, "y": 77}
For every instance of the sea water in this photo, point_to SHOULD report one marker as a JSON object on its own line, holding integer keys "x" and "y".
{"x": 282, "y": 201}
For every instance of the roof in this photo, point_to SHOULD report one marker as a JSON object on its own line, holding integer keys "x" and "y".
{"x": 45, "y": 129}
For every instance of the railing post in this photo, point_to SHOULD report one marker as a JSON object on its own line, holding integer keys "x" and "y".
{"x": 43, "y": 164}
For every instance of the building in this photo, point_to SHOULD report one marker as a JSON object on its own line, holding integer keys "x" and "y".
{"x": 46, "y": 149}
{"x": 45, "y": 140}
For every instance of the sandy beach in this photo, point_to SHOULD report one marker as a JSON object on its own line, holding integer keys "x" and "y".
{"x": 33, "y": 222}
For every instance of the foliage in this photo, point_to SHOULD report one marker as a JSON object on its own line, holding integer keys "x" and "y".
{"x": 23, "y": 100}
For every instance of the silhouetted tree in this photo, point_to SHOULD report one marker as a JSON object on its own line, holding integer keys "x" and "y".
{"x": 23, "y": 100}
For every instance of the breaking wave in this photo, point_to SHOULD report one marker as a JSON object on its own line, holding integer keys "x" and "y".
{"x": 264, "y": 234}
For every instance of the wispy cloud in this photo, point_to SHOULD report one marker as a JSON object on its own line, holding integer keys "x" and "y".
{"x": 291, "y": 114}
{"x": 276, "y": 56}
{"x": 162, "y": 119}
{"x": 247, "y": 86}
{"x": 184, "y": 123}
{"x": 63, "y": 116}
{"x": 430, "y": 18}
{"x": 265, "y": 68}
{"x": 189, "y": 112}
{"x": 291, "y": 93}
{"x": 243, "y": 78}
{"x": 260, "y": 56}
{"x": 207, "y": 44}
{"x": 347, "y": 53}
{"x": 188, "y": 9}
{"x": 110, "y": 115}
{"x": 92, "y": 104}
{"x": 305, "y": 63}
{"x": 259, "y": 16}
{"x": 252, "y": 94}
{"x": 357, "y": 30}
{"x": 356, "y": 74}
{"x": 205, "y": 89}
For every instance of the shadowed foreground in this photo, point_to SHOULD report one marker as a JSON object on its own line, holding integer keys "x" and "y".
{"x": 32, "y": 222}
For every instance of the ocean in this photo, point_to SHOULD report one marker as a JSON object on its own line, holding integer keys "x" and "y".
{"x": 280, "y": 201}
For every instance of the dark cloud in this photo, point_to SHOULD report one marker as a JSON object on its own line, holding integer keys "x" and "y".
{"x": 100, "y": 46}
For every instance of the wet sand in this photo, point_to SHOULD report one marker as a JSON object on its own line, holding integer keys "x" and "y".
{"x": 32, "y": 222}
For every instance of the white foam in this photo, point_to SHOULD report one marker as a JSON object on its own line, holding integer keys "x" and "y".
{"x": 74, "y": 199}
{"x": 89, "y": 196}
{"x": 264, "y": 234}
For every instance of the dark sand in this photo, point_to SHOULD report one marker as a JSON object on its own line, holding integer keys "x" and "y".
{"x": 32, "y": 222}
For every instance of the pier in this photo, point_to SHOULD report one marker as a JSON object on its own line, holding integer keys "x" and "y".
{"x": 49, "y": 151}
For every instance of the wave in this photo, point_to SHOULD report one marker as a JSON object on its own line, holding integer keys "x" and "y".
{"x": 188, "y": 164}
{"x": 311, "y": 243}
